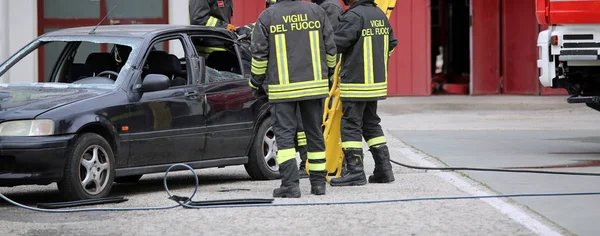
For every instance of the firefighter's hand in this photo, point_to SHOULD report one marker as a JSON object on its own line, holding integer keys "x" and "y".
{"x": 254, "y": 84}
{"x": 231, "y": 27}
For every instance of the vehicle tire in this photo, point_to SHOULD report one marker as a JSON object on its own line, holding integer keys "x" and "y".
{"x": 89, "y": 169}
{"x": 128, "y": 179}
{"x": 262, "y": 159}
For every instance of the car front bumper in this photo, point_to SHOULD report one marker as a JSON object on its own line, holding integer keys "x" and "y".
{"x": 32, "y": 160}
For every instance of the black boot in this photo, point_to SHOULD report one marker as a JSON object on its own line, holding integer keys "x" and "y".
{"x": 383, "y": 168}
{"x": 318, "y": 182}
{"x": 355, "y": 174}
{"x": 302, "y": 170}
{"x": 290, "y": 184}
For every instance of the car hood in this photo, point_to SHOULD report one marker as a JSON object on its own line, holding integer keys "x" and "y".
{"x": 24, "y": 102}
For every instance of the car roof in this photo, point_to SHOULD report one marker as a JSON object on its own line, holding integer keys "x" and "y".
{"x": 133, "y": 30}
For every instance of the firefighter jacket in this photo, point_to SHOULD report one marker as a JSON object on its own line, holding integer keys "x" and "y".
{"x": 215, "y": 13}
{"x": 293, "y": 51}
{"x": 333, "y": 8}
{"x": 365, "y": 40}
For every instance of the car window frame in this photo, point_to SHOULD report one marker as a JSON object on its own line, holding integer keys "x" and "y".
{"x": 236, "y": 46}
{"x": 162, "y": 39}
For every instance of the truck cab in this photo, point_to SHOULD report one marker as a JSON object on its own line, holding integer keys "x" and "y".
{"x": 569, "y": 50}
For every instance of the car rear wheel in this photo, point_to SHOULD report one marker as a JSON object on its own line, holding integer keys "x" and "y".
{"x": 262, "y": 159}
{"x": 89, "y": 170}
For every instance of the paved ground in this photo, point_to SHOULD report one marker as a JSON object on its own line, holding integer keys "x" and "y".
{"x": 403, "y": 118}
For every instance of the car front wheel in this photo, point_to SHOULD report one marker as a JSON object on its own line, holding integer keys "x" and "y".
{"x": 89, "y": 169}
{"x": 262, "y": 159}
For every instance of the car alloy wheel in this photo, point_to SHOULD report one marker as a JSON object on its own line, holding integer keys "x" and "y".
{"x": 94, "y": 170}
{"x": 270, "y": 150}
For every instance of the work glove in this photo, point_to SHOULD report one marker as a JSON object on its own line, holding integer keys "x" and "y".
{"x": 231, "y": 27}
{"x": 254, "y": 84}
{"x": 257, "y": 89}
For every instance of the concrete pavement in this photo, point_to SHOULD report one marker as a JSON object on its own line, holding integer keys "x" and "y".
{"x": 446, "y": 217}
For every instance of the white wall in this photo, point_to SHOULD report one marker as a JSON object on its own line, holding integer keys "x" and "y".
{"x": 178, "y": 15}
{"x": 18, "y": 27}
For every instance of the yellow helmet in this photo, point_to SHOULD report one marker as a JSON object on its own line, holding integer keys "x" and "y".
{"x": 270, "y": 3}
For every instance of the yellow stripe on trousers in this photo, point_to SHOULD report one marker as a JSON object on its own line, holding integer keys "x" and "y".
{"x": 282, "y": 64}
{"x": 315, "y": 52}
{"x": 316, "y": 156}
{"x": 286, "y": 155}
{"x": 368, "y": 59}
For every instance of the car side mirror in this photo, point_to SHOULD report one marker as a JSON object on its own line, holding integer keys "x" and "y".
{"x": 154, "y": 82}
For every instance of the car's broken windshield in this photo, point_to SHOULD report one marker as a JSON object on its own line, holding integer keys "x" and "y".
{"x": 78, "y": 61}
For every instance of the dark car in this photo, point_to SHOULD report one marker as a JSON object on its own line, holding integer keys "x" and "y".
{"x": 116, "y": 102}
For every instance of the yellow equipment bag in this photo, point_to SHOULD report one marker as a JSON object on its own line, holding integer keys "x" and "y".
{"x": 332, "y": 115}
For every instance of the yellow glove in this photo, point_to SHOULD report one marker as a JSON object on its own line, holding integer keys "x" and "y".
{"x": 231, "y": 27}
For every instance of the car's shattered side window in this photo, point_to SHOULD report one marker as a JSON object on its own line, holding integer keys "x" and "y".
{"x": 221, "y": 59}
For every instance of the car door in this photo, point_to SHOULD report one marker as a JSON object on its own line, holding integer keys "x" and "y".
{"x": 229, "y": 99}
{"x": 173, "y": 128}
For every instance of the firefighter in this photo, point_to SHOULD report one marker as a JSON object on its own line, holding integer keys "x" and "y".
{"x": 333, "y": 8}
{"x": 215, "y": 13}
{"x": 300, "y": 135}
{"x": 293, "y": 52}
{"x": 365, "y": 40}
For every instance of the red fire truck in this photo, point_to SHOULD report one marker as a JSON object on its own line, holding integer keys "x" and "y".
{"x": 569, "y": 50}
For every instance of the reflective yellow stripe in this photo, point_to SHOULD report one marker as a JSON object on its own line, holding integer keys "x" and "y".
{"x": 251, "y": 85}
{"x": 315, "y": 53}
{"x": 352, "y": 144}
{"x": 286, "y": 155}
{"x": 301, "y": 139}
{"x": 315, "y": 155}
{"x": 368, "y": 59}
{"x": 362, "y": 87}
{"x": 259, "y": 67}
{"x": 298, "y": 94}
{"x": 386, "y": 47}
{"x": 212, "y": 21}
{"x": 331, "y": 61}
{"x": 364, "y": 94}
{"x": 376, "y": 141}
{"x": 282, "y": 65}
{"x": 317, "y": 167}
{"x": 298, "y": 86}
{"x": 391, "y": 52}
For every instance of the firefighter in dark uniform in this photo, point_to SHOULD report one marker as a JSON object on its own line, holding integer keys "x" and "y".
{"x": 294, "y": 53}
{"x": 365, "y": 40}
{"x": 300, "y": 135}
{"x": 333, "y": 8}
{"x": 215, "y": 13}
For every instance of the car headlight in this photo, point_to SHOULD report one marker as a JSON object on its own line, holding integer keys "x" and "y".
{"x": 27, "y": 128}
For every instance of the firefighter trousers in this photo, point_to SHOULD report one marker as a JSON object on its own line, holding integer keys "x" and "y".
{"x": 300, "y": 135}
{"x": 360, "y": 120}
{"x": 285, "y": 125}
